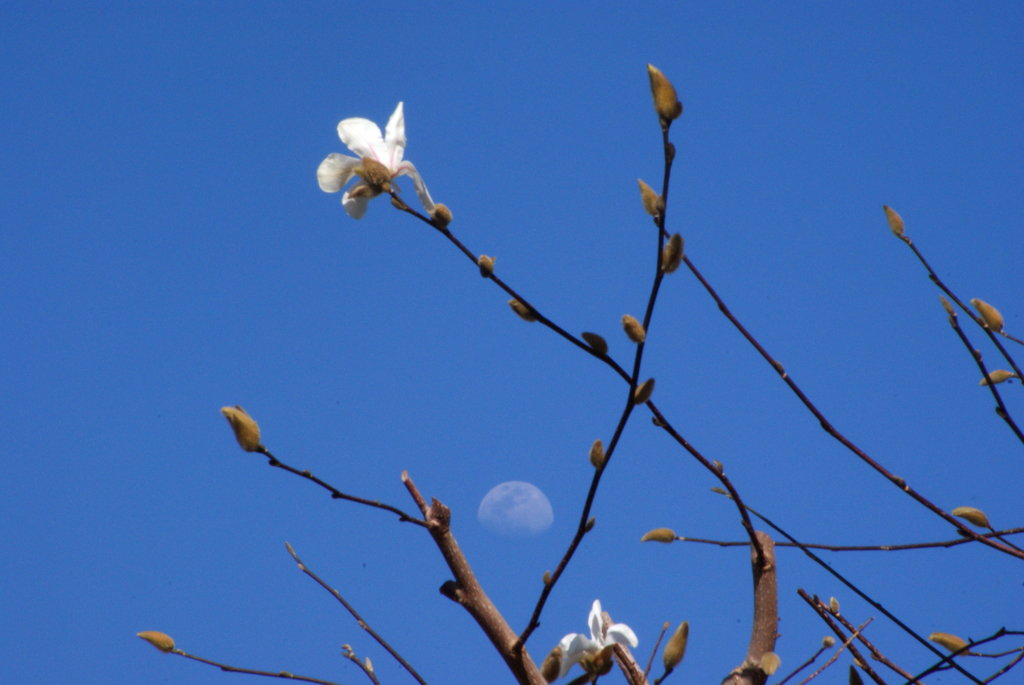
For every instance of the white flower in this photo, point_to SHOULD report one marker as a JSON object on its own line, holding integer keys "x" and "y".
{"x": 363, "y": 138}
{"x": 576, "y": 645}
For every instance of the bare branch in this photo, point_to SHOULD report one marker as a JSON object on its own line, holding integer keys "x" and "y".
{"x": 766, "y": 616}
{"x": 359, "y": 619}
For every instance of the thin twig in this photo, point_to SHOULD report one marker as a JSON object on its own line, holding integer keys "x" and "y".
{"x": 335, "y": 493}
{"x": 359, "y": 619}
{"x": 268, "y": 674}
{"x": 833, "y": 658}
{"x": 860, "y": 548}
{"x": 831, "y": 430}
{"x": 826, "y": 615}
{"x": 976, "y": 355}
{"x": 655, "y": 650}
{"x": 805, "y": 664}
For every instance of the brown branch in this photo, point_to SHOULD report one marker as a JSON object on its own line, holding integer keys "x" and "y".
{"x": 859, "y": 548}
{"x": 467, "y": 591}
{"x": 976, "y": 355}
{"x": 624, "y": 658}
{"x": 766, "y": 616}
{"x": 947, "y": 661}
{"x": 1004, "y": 670}
{"x": 834, "y": 656}
{"x": 346, "y": 651}
{"x": 860, "y": 593}
{"x": 826, "y": 615}
{"x": 335, "y": 493}
{"x": 249, "y": 671}
{"x": 831, "y": 430}
{"x": 814, "y": 657}
{"x": 359, "y": 619}
{"x": 655, "y": 651}
{"x": 934, "y": 278}
{"x": 875, "y": 654}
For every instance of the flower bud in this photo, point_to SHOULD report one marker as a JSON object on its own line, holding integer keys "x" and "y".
{"x": 486, "y": 265}
{"x": 246, "y": 431}
{"x": 524, "y": 312}
{"x": 596, "y": 342}
{"x": 546, "y": 577}
{"x": 672, "y": 255}
{"x": 441, "y": 215}
{"x": 833, "y": 605}
{"x": 770, "y": 662}
{"x": 675, "y": 649}
{"x": 590, "y": 525}
{"x": 634, "y": 331}
{"x": 643, "y": 393}
{"x": 855, "y": 678}
{"x": 718, "y": 465}
{"x": 552, "y": 665}
{"x": 649, "y": 198}
{"x": 998, "y": 376}
{"x": 972, "y": 515}
{"x": 950, "y": 642}
{"x": 989, "y": 314}
{"x": 895, "y": 222}
{"x": 597, "y": 454}
{"x": 828, "y": 642}
{"x": 161, "y": 641}
{"x": 659, "y": 535}
{"x": 947, "y": 306}
{"x": 369, "y": 666}
{"x": 666, "y": 102}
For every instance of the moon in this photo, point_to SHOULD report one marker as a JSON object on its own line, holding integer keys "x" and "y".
{"x": 515, "y": 509}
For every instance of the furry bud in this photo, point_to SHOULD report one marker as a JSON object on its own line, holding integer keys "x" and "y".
{"x": 524, "y": 312}
{"x": 998, "y": 376}
{"x": 441, "y": 215}
{"x": 972, "y": 515}
{"x": 675, "y": 650}
{"x": 989, "y": 314}
{"x": 666, "y": 102}
{"x": 597, "y": 454}
{"x": 552, "y": 665}
{"x": 672, "y": 255}
{"x": 643, "y": 392}
{"x": 895, "y": 222}
{"x": 649, "y": 198}
{"x": 950, "y": 642}
{"x": 634, "y": 331}
{"x": 659, "y": 535}
{"x": 596, "y": 342}
{"x": 161, "y": 641}
{"x": 246, "y": 431}
{"x": 486, "y": 265}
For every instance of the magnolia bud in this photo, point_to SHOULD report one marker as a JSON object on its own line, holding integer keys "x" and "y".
{"x": 590, "y": 525}
{"x": 828, "y": 642}
{"x": 666, "y": 102}
{"x": 659, "y": 535}
{"x": 672, "y": 255}
{"x": 998, "y": 376}
{"x": 643, "y": 393}
{"x": 161, "y": 641}
{"x": 552, "y": 665}
{"x": 770, "y": 662}
{"x": 634, "y": 331}
{"x": 596, "y": 342}
{"x": 950, "y": 642}
{"x": 989, "y": 314}
{"x": 649, "y": 198}
{"x": 675, "y": 650}
{"x": 486, "y": 265}
{"x": 947, "y": 306}
{"x": 895, "y": 222}
{"x": 972, "y": 515}
{"x": 441, "y": 215}
{"x": 246, "y": 431}
{"x": 369, "y": 666}
{"x": 833, "y": 605}
{"x": 546, "y": 577}
{"x": 524, "y": 312}
{"x": 597, "y": 454}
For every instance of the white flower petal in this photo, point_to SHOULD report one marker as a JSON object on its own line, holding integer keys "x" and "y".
{"x": 596, "y": 622}
{"x": 407, "y": 169}
{"x": 574, "y": 646}
{"x": 621, "y": 634}
{"x": 335, "y": 171}
{"x": 355, "y": 206}
{"x": 362, "y": 137}
{"x": 394, "y": 135}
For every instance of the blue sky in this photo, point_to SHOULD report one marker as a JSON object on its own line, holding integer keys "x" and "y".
{"x": 166, "y": 251}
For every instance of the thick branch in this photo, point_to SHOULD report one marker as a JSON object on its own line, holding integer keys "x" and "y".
{"x": 766, "y": 616}
{"x": 467, "y": 591}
